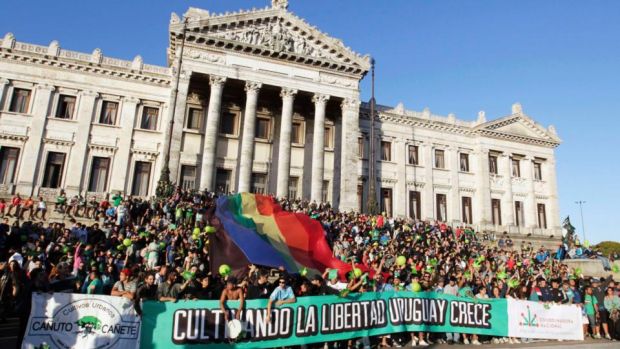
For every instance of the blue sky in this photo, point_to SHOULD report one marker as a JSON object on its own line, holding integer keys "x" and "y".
{"x": 560, "y": 59}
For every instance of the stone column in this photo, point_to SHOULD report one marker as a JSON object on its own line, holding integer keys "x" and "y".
{"x": 284, "y": 148}
{"x": 178, "y": 111}
{"x": 482, "y": 213}
{"x": 530, "y": 210}
{"x": 211, "y": 130}
{"x": 32, "y": 149}
{"x": 428, "y": 199}
{"x": 318, "y": 146}
{"x": 79, "y": 154}
{"x": 455, "y": 195}
{"x": 507, "y": 200}
{"x": 120, "y": 169}
{"x": 3, "y": 88}
{"x": 400, "y": 193}
{"x": 553, "y": 212}
{"x": 247, "y": 141}
{"x": 349, "y": 159}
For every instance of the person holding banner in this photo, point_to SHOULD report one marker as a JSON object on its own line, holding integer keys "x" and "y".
{"x": 234, "y": 293}
{"x": 283, "y": 294}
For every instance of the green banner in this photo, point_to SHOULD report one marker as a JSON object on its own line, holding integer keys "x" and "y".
{"x": 187, "y": 324}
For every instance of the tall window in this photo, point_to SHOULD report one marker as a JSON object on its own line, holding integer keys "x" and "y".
{"x": 519, "y": 214}
{"x": 293, "y": 183}
{"x": 442, "y": 207}
{"x": 414, "y": 204}
{"x": 222, "y": 181}
{"x": 149, "y": 118}
{"x": 188, "y": 177}
{"x": 228, "y": 124}
{"x": 516, "y": 168}
{"x": 538, "y": 171}
{"x": 297, "y": 136}
{"x": 466, "y": 207}
{"x": 193, "y": 118}
{"x": 141, "y": 178}
{"x": 386, "y": 151}
{"x": 412, "y": 158}
{"x": 52, "y": 177}
{"x": 542, "y": 216}
{"x": 8, "y": 164}
{"x": 66, "y": 106}
{"x": 99, "y": 170}
{"x": 259, "y": 183}
{"x": 386, "y": 201}
{"x": 493, "y": 164}
{"x": 439, "y": 159}
{"x": 360, "y": 147}
{"x": 496, "y": 211}
{"x": 109, "y": 110}
{"x": 464, "y": 162}
{"x": 20, "y": 101}
{"x": 329, "y": 137}
{"x": 262, "y": 128}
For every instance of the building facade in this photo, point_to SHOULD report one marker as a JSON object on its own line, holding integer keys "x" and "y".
{"x": 261, "y": 101}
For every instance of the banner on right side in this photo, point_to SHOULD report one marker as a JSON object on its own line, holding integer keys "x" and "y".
{"x": 545, "y": 321}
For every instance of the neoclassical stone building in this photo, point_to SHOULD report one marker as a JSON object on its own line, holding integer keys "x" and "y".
{"x": 261, "y": 101}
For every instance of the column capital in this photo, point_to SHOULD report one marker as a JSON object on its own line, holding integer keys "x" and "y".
{"x": 320, "y": 98}
{"x": 89, "y": 93}
{"x": 288, "y": 92}
{"x": 252, "y": 86}
{"x": 350, "y": 104}
{"x": 217, "y": 81}
{"x": 4, "y": 81}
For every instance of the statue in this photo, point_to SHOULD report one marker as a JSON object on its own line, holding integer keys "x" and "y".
{"x": 281, "y": 4}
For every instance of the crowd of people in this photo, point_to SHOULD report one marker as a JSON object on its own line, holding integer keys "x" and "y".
{"x": 149, "y": 250}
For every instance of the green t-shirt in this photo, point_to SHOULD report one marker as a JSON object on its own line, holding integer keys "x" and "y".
{"x": 590, "y": 302}
{"x": 117, "y": 200}
{"x": 61, "y": 199}
{"x": 98, "y": 287}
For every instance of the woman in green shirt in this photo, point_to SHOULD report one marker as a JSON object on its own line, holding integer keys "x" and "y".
{"x": 96, "y": 285}
{"x": 612, "y": 304}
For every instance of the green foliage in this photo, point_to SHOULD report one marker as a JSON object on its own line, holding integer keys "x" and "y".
{"x": 608, "y": 247}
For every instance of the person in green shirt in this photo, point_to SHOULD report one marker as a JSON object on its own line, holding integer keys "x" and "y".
{"x": 117, "y": 199}
{"x": 591, "y": 305}
{"x": 96, "y": 285}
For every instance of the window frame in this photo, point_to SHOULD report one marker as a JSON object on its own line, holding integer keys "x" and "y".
{"x": 182, "y": 177}
{"x": 493, "y": 164}
{"x": 104, "y": 104}
{"x": 389, "y": 153}
{"x": 46, "y": 174}
{"x": 237, "y": 116}
{"x": 416, "y": 148}
{"x": 92, "y": 171}
{"x": 253, "y": 187}
{"x": 301, "y": 132}
{"x": 14, "y": 170}
{"x": 143, "y": 113}
{"x": 443, "y": 159}
{"x": 269, "y": 121}
{"x": 59, "y": 105}
{"x": 12, "y": 101}
{"x": 517, "y": 173}
{"x": 537, "y": 165}
{"x": 464, "y": 156}
{"x": 189, "y": 117}
{"x": 329, "y": 137}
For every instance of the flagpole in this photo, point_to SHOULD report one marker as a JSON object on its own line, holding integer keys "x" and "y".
{"x": 583, "y": 225}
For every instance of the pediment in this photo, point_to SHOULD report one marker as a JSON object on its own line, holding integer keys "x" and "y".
{"x": 272, "y": 32}
{"x": 519, "y": 126}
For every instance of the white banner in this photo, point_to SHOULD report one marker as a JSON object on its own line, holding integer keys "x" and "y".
{"x": 64, "y": 320}
{"x": 544, "y": 321}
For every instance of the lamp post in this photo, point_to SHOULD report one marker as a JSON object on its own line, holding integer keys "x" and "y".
{"x": 583, "y": 226}
{"x": 165, "y": 186}
{"x": 372, "y": 191}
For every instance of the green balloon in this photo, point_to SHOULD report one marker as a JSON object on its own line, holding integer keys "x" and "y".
{"x": 615, "y": 268}
{"x": 303, "y": 272}
{"x": 401, "y": 260}
{"x": 127, "y": 242}
{"x": 357, "y": 272}
{"x": 224, "y": 269}
{"x": 210, "y": 229}
{"x": 162, "y": 245}
{"x": 416, "y": 287}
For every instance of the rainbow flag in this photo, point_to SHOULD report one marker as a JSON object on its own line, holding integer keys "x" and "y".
{"x": 253, "y": 229}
